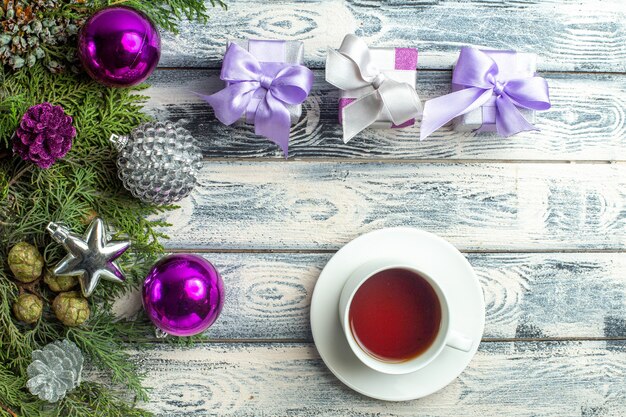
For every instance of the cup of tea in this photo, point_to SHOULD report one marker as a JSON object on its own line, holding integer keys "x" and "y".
{"x": 396, "y": 317}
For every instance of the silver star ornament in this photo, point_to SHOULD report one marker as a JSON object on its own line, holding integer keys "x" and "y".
{"x": 92, "y": 257}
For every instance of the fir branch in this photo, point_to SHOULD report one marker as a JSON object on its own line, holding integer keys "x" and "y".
{"x": 83, "y": 182}
{"x": 167, "y": 13}
{"x": 8, "y": 410}
{"x": 14, "y": 399}
{"x": 101, "y": 340}
{"x": 93, "y": 399}
{"x": 18, "y": 341}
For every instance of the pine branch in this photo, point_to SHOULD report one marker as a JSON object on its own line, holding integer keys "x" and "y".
{"x": 14, "y": 400}
{"x": 84, "y": 182}
{"x": 93, "y": 399}
{"x": 102, "y": 341}
{"x": 167, "y": 13}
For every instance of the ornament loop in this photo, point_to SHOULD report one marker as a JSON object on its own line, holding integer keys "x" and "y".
{"x": 57, "y": 232}
{"x": 119, "y": 142}
{"x": 159, "y": 334}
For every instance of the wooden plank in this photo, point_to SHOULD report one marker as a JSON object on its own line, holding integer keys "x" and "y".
{"x": 487, "y": 207}
{"x": 587, "y": 122}
{"x": 568, "y": 36}
{"x": 532, "y": 296}
{"x": 505, "y": 379}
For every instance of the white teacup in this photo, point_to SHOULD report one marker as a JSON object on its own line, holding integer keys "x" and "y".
{"x": 445, "y": 337}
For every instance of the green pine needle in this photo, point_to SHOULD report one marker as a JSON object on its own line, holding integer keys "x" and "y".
{"x": 167, "y": 13}
{"x": 93, "y": 399}
{"x": 84, "y": 182}
{"x": 102, "y": 341}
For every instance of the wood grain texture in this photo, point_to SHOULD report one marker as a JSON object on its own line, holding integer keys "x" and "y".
{"x": 527, "y": 296}
{"x": 567, "y": 35}
{"x": 329, "y": 192}
{"x": 587, "y": 122}
{"x": 510, "y": 379}
{"x": 323, "y": 205}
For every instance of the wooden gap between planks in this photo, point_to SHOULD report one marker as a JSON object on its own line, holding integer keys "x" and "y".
{"x": 308, "y": 342}
{"x": 357, "y": 161}
{"x": 418, "y": 69}
{"x": 330, "y": 251}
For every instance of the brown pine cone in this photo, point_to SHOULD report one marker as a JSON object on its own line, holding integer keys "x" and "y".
{"x": 71, "y": 308}
{"x": 25, "y": 262}
{"x": 28, "y": 308}
{"x": 59, "y": 283}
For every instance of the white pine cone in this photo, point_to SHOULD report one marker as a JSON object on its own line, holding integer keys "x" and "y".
{"x": 55, "y": 370}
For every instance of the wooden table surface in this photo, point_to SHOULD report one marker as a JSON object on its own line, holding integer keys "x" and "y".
{"x": 541, "y": 216}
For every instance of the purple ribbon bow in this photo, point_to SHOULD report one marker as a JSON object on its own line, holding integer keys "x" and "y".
{"x": 245, "y": 75}
{"x": 480, "y": 76}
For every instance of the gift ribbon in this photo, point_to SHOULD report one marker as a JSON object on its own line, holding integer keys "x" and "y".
{"x": 245, "y": 75}
{"x": 351, "y": 67}
{"x": 480, "y": 76}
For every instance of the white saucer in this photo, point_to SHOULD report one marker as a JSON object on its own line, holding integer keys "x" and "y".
{"x": 434, "y": 256}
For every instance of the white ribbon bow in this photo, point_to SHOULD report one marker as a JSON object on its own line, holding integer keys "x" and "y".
{"x": 351, "y": 67}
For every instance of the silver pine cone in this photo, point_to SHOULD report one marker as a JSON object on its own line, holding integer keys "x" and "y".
{"x": 159, "y": 161}
{"x": 55, "y": 370}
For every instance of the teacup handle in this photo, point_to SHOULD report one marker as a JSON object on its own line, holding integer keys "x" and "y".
{"x": 458, "y": 341}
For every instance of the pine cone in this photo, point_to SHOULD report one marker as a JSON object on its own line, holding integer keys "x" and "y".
{"x": 25, "y": 262}
{"x": 158, "y": 163}
{"x": 89, "y": 217}
{"x": 44, "y": 135}
{"x": 26, "y": 36}
{"x": 71, "y": 308}
{"x": 28, "y": 308}
{"x": 55, "y": 370}
{"x": 59, "y": 283}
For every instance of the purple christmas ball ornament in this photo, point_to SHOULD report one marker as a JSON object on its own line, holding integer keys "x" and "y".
{"x": 183, "y": 294}
{"x": 119, "y": 46}
{"x": 44, "y": 135}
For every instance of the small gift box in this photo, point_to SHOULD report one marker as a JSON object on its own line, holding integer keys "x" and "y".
{"x": 513, "y": 66}
{"x": 378, "y": 86}
{"x": 492, "y": 91}
{"x": 273, "y": 56}
{"x": 398, "y": 64}
{"x": 266, "y": 85}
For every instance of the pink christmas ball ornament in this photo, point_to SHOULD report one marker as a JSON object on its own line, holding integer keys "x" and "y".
{"x": 119, "y": 46}
{"x": 183, "y": 294}
{"x": 44, "y": 135}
